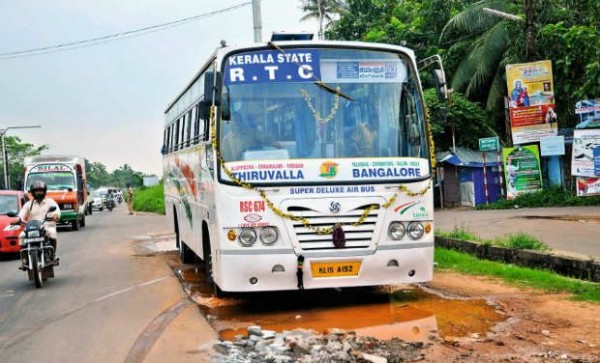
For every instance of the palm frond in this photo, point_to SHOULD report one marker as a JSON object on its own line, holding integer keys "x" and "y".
{"x": 473, "y": 20}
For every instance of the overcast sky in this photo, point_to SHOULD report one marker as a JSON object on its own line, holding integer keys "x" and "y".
{"x": 105, "y": 102}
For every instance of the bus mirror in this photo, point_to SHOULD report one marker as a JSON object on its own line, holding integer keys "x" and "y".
{"x": 440, "y": 84}
{"x": 217, "y": 89}
{"x": 225, "y": 105}
{"x": 204, "y": 109}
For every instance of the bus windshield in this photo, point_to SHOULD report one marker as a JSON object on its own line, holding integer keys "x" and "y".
{"x": 54, "y": 180}
{"x": 321, "y": 104}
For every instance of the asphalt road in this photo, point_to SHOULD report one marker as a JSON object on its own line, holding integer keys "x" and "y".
{"x": 107, "y": 303}
{"x": 568, "y": 230}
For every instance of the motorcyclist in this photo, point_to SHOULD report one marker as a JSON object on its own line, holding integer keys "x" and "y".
{"x": 37, "y": 209}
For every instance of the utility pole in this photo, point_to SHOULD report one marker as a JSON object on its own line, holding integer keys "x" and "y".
{"x": 529, "y": 38}
{"x": 257, "y": 21}
{"x": 5, "y": 155}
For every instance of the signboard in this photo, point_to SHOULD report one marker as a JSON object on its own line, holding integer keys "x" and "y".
{"x": 531, "y": 101}
{"x": 552, "y": 145}
{"x": 589, "y": 113}
{"x": 588, "y": 186}
{"x": 489, "y": 144}
{"x": 584, "y": 142}
{"x": 521, "y": 170}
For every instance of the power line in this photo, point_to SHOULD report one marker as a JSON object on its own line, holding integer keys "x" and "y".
{"x": 117, "y": 36}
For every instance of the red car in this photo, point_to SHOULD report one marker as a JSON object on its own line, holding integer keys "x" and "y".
{"x": 10, "y": 201}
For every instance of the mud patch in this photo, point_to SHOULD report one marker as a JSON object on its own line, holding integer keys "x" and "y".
{"x": 409, "y": 313}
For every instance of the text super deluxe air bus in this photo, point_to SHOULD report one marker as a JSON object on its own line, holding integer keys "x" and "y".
{"x": 302, "y": 164}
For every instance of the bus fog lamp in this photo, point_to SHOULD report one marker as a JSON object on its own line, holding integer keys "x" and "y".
{"x": 268, "y": 235}
{"x": 396, "y": 230}
{"x": 415, "y": 230}
{"x": 247, "y": 237}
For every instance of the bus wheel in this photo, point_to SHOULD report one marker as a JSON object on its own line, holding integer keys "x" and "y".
{"x": 185, "y": 254}
{"x": 75, "y": 225}
{"x": 83, "y": 221}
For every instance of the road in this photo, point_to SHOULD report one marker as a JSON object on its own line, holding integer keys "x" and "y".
{"x": 109, "y": 302}
{"x": 569, "y": 230}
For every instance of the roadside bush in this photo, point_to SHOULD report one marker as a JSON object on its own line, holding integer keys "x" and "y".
{"x": 549, "y": 197}
{"x": 523, "y": 241}
{"x": 150, "y": 199}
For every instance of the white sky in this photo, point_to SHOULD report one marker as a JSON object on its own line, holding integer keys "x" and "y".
{"x": 106, "y": 102}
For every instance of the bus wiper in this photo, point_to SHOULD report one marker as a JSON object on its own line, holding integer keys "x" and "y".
{"x": 318, "y": 82}
{"x": 335, "y": 91}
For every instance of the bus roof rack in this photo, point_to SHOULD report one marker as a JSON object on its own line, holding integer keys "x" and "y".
{"x": 283, "y": 36}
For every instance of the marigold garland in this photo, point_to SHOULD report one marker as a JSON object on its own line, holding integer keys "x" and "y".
{"x": 317, "y": 116}
{"x": 290, "y": 216}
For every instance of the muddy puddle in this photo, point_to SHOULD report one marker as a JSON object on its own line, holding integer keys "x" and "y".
{"x": 409, "y": 313}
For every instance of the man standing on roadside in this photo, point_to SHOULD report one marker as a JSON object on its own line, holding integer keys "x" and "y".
{"x": 129, "y": 198}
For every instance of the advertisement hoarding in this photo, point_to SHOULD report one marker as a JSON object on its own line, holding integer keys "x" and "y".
{"x": 531, "y": 101}
{"x": 521, "y": 170}
{"x": 584, "y": 142}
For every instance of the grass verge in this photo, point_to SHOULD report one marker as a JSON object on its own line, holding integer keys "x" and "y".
{"x": 522, "y": 276}
{"x": 150, "y": 199}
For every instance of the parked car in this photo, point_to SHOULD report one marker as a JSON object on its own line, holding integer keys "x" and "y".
{"x": 11, "y": 201}
{"x": 98, "y": 200}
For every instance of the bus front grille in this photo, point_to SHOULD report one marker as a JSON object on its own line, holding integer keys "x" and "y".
{"x": 357, "y": 237}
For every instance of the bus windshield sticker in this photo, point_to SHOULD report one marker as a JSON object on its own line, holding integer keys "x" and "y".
{"x": 345, "y": 170}
{"x": 359, "y": 71}
{"x": 294, "y": 65}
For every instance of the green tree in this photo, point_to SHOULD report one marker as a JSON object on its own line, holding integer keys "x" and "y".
{"x": 17, "y": 151}
{"x": 324, "y": 11}
{"x": 126, "y": 175}
{"x": 97, "y": 175}
{"x": 465, "y": 120}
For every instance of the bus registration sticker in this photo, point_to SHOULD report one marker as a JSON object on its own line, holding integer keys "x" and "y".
{"x": 335, "y": 269}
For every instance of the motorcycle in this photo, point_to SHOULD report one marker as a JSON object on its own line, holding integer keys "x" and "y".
{"x": 37, "y": 253}
{"x": 109, "y": 202}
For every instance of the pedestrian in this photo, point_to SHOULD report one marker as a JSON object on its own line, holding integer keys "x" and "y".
{"x": 129, "y": 198}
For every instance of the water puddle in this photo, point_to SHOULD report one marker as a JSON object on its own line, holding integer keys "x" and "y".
{"x": 409, "y": 313}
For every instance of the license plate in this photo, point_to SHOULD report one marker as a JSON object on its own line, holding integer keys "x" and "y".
{"x": 335, "y": 269}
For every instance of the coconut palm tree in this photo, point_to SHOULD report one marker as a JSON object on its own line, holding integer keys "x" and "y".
{"x": 487, "y": 30}
{"x": 323, "y": 11}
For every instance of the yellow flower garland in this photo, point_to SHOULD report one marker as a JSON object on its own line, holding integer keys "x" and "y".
{"x": 317, "y": 116}
{"x": 290, "y": 216}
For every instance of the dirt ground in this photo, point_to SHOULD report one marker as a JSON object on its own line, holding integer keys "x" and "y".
{"x": 539, "y": 327}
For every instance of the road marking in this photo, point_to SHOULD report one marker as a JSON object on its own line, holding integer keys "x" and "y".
{"x": 5, "y": 342}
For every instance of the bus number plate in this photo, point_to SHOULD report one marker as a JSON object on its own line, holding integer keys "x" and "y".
{"x": 335, "y": 269}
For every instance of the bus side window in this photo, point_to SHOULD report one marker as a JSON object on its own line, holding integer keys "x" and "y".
{"x": 176, "y": 135}
{"x": 196, "y": 120}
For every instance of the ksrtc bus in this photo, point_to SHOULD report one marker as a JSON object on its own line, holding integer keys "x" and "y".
{"x": 302, "y": 165}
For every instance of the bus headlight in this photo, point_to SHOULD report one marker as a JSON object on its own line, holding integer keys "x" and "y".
{"x": 247, "y": 237}
{"x": 396, "y": 230}
{"x": 415, "y": 230}
{"x": 269, "y": 235}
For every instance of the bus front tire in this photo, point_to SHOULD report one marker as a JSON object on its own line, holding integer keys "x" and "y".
{"x": 75, "y": 225}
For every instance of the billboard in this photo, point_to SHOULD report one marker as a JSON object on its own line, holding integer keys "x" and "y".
{"x": 521, "y": 170}
{"x": 588, "y": 186}
{"x": 588, "y": 112}
{"x": 531, "y": 101}
{"x": 584, "y": 143}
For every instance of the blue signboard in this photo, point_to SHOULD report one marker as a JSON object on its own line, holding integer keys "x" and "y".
{"x": 596, "y": 152}
{"x": 294, "y": 65}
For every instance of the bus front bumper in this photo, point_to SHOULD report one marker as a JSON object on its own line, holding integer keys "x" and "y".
{"x": 68, "y": 216}
{"x": 249, "y": 270}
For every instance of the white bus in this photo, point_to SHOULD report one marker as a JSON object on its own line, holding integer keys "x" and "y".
{"x": 302, "y": 165}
